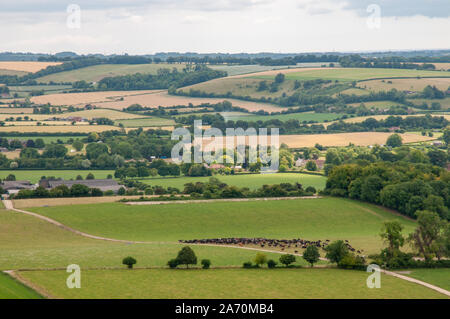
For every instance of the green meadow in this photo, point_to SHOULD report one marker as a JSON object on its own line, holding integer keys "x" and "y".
{"x": 252, "y": 181}
{"x": 12, "y": 289}
{"x": 228, "y": 283}
{"x": 313, "y": 219}
{"x": 356, "y": 74}
{"x": 439, "y": 277}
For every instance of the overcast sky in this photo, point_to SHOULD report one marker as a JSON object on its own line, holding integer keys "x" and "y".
{"x": 139, "y": 27}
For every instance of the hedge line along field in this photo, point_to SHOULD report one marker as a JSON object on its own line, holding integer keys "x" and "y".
{"x": 413, "y": 84}
{"x": 146, "y": 122}
{"x": 47, "y": 139}
{"x": 27, "y": 242}
{"x": 252, "y": 181}
{"x": 306, "y": 116}
{"x": 228, "y": 283}
{"x": 35, "y": 175}
{"x": 349, "y": 74}
{"x": 12, "y": 289}
{"x": 312, "y": 219}
{"x": 97, "y": 72}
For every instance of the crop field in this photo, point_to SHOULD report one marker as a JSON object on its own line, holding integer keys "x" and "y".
{"x": 12, "y": 289}
{"x": 228, "y": 283}
{"x": 307, "y": 116}
{"x": 412, "y": 84}
{"x": 438, "y": 277}
{"x": 337, "y": 139}
{"x": 58, "y": 129}
{"x": 350, "y": 74}
{"x": 146, "y": 122}
{"x": 301, "y": 218}
{"x": 97, "y": 113}
{"x": 15, "y": 110}
{"x": 25, "y": 91}
{"x": 442, "y": 66}
{"x": 165, "y": 100}
{"x": 26, "y": 66}
{"x": 97, "y": 72}
{"x": 35, "y": 175}
{"x": 81, "y": 99}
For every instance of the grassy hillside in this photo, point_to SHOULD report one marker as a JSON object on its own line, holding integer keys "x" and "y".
{"x": 438, "y": 277}
{"x": 28, "y": 242}
{"x": 355, "y": 74}
{"x": 326, "y": 218}
{"x": 12, "y": 289}
{"x": 228, "y": 283}
{"x": 97, "y": 72}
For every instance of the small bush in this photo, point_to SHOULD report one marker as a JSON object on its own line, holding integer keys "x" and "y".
{"x": 206, "y": 263}
{"x": 247, "y": 265}
{"x": 271, "y": 263}
{"x": 173, "y": 263}
{"x": 129, "y": 261}
{"x": 287, "y": 259}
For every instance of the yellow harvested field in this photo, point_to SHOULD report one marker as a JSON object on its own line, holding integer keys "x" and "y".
{"x": 442, "y": 66}
{"x": 165, "y": 100}
{"x": 59, "y": 129}
{"x": 381, "y": 117}
{"x": 96, "y": 113}
{"x": 339, "y": 139}
{"x": 81, "y": 99}
{"x": 12, "y": 154}
{"x": 119, "y": 100}
{"x": 16, "y": 110}
{"x": 412, "y": 84}
{"x": 26, "y": 66}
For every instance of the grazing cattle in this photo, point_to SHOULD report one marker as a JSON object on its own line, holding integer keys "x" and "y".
{"x": 262, "y": 242}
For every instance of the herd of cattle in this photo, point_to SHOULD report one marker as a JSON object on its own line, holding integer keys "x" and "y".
{"x": 266, "y": 242}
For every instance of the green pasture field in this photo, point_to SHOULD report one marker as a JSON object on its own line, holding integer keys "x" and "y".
{"x": 357, "y": 74}
{"x": 12, "y": 289}
{"x": 146, "y": 122}
{"x": 97, "y": 72}
{"x": 12, "y": 72}
{"x": 46, "y": 139}
{"x": 228, "y": 283}
{"x": 307, "y": 116}
{"x": 445, "y": 103}
{"x": 27, "y": 242}
{"x": 35, "y": 175}
{"x": 378, "y": 104}
{"x": 439, "y": 277}
{"x": 244, "y": 69}
{"x": 252, "y": 181}
{"x": 24, "y": 91}
{"x": 312, "y": 219}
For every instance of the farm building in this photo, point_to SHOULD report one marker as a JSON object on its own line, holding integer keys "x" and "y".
{"x": 102, "y": 184}
{"x": 13, "y": 187}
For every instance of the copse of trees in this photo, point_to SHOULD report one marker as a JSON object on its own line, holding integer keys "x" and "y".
{"x": 406, "y": 187}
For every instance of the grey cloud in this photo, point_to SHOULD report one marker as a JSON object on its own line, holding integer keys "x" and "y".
{"x": 401, "y": 8}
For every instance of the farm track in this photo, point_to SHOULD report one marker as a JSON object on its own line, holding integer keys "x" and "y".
{"x": 9, "y": 206}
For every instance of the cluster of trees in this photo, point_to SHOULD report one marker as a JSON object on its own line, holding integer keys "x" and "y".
{"x": 430, "y": 240}
{"x": 164, "y": 79}
{"x": 357, "y": 61}
{"x": 76, "y": 190}
{"x": 186, "y": 256}
{"x": 294, "y": 126}
{"x": 402, "y": 186}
